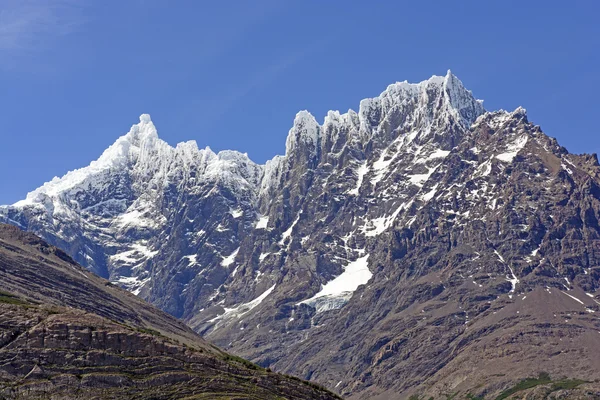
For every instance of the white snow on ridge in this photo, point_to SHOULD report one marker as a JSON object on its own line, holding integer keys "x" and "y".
{"x": 429, "y": 195}
{"x": 141, "y": 151}
{"x": 420, "y": 179}
{"x": 512, "y": 149}
{"x": 379, "y": 225}
{"x": 305, "y": 130}
{"x": 127, "y": 280}
{"x": 236, "y": 213}
{"x": 140, "y": 286}
{"x": 191, "y": 259}
{"x": 262, "y": 222}
{"x": 244, "y": 308}
{"x": 144, "y": 250}
{"x": 573, "y": 297}
{"x": 227, "y": 261}
{"x": 483, "y": 169}
{"x": 512, "y": 278}
{"x": 381, "y": 166}
{"x": 376, "y": 226}
{"x": 564, "y": 166}
{"x": 499, "y": 256}
{"x": 137, "y": 253}
{"x": 132, "y": 283}
{"x": 288, "y": 232}
{"x": 356, "y": 273}
{"x": 362, "y": 170}
{"x": 123, "y": 151}
{"x": 438, "y": 154}
{"x": 134, "y": 218}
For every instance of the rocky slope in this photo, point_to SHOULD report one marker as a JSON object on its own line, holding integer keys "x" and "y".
{"x": 67, "y": 334}
{"x": 421, "y": 245}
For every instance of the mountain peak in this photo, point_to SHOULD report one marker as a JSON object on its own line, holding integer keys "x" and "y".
{"x": 429, "y": 105}
{"x": 305, "y": 130}
{"x": 462, "y": 100}
{"x": 425, "y": 103}
{"x": 363, "y": 206}
{"x": 143, "y": 131}
{"x": 145, "y": 118}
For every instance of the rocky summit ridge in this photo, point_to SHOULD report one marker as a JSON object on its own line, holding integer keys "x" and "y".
{"x": 420, "y": 246}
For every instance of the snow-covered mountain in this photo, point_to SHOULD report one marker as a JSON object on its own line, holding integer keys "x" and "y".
{"x": 420, "y": 216}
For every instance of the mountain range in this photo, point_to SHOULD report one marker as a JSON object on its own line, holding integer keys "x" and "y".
{"x": 421, "y": 246}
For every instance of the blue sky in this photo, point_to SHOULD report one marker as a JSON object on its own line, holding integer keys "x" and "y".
{"x": 75, "y": 75}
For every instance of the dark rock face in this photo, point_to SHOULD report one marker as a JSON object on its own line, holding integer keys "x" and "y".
{"x": 418, "y": 246}
{"x": 67, "y": 334}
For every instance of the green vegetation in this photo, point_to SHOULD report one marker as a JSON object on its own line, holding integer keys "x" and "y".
{"x": 542, "y": 379}
{"x": 8, "y": 298}
{"x": 566, "y": 384}
{"x": 243, "y": 361}
{"x": 472, "y": 397}
{"x": 312, "y": 385}
{"x": 527, "y": 383}
{"x": 149, "y": 331}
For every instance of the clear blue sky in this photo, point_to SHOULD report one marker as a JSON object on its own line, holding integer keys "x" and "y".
{"x": 75, "y": 75}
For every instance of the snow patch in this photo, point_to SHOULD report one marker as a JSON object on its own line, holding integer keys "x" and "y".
{"x": 381, "y": 166}
{"x": 379, "y": 225}
{"x": 484, "y": 169}
{"x": 134, "y": 218}
{"x": 512, "y": 278}
{"x": 569, "y": 171}
{"x": 262, "y": 222}
{"x": 244, "y": 308}
{"x": 137, "y": 253}
{"x": 573, "y": 297}
{"x": 512, "y": 149}
{"x": 356, "y": 273}
{"x": 132, "y": 283}
{"x": 420, "y": 179}
{"x": 236, "y": 213}
{"x": 288, "y": 232}
{"x": 438, "y": 154}
{"x": 429, "y": 195}
{"x": 360, "y": 172}
{"x": 227, "y": 261}
{"x": 192, "y": 259}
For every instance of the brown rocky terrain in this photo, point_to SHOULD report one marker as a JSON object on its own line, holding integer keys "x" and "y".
{"x": 67, "y": 334}
{"x": 492, "y": 280}
{"x": 421, "y": 246}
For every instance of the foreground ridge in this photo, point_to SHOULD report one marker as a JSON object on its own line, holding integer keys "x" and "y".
{"x": 67, "y": 334}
